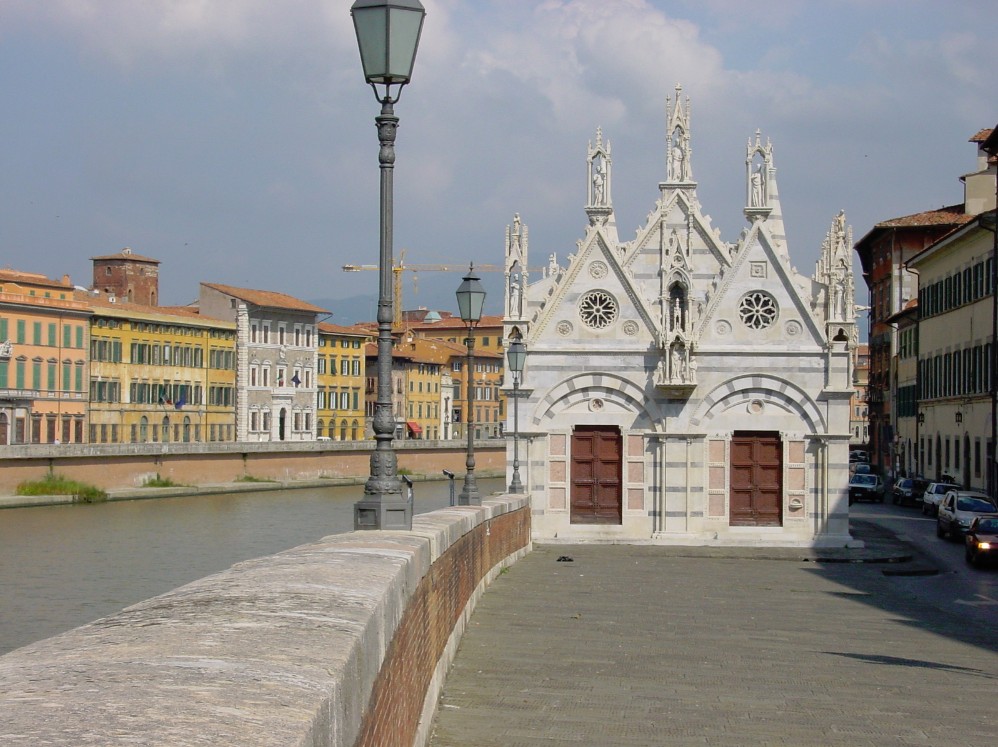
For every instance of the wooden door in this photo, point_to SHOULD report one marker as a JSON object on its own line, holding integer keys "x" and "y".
{"x": 596, "y": 475}
{"x": 756, "y": 486}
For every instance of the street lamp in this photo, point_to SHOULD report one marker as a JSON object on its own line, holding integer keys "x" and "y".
{"x": 387, "y": 34}
{"x": 470, "y": 300}
{"x": 516, "y": 356}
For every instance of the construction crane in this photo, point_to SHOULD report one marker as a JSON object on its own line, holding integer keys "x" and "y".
{"x": 400, "y": 267}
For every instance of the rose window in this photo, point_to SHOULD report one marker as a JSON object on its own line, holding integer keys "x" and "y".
{"x": 758, "y": 310}
{"x": 598, "y": 309}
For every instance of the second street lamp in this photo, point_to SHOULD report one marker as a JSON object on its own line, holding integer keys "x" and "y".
{"x": 388, "y": 35}
{"x": 470, "y": 301}
{"x": 517, "y": 356}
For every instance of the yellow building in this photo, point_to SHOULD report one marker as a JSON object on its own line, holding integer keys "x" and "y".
{"x": 422, "y": 365}
{"x": 160, "y": 374}
{"x": 488, "y": 369}
{"x": 43, "y": 360}
{"x": 340, "y": 378}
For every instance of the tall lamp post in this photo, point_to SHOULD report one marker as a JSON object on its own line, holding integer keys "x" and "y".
{"x": 387, "y": 34}
{"x": 470, "y": 300}
{"x": 516, "y": 357}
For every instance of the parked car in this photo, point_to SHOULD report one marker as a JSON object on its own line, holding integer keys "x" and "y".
{"x": 982, "y": 540}
{"x": 959, "y": 508}
{"x": 858, "y": 456}
{"x": 909, "y": 490}
{"x": 860, "y": 468}
{"x": 865, "y": 486}
{"x": 933, "y": 496}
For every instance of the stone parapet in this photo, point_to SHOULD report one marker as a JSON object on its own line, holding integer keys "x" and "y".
{"x": 341, "y": 642}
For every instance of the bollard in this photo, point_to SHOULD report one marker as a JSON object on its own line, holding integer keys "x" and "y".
{"x": 450, "y": 475}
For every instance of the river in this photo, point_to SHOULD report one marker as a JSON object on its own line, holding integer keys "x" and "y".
{"x": 64, "y": 566}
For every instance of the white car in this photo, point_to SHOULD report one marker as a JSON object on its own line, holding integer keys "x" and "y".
{"x": 933, "y": 496}
{"x": 959, "y": 508}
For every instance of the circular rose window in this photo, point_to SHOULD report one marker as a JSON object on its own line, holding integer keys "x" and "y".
{"x": 598, "y": 309}
{"x": 758, "y": 310}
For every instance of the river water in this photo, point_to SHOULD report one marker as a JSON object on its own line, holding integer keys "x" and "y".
{"x": 64, "y": 566}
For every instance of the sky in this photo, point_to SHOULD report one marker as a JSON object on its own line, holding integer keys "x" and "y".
{"x": 234, "y": 140}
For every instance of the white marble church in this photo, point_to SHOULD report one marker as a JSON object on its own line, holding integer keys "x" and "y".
{"x": 680, "y": 389}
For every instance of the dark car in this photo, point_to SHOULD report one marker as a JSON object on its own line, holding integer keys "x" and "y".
{"x": 909, "y": 490}
{"x": 865, "y": 486}
{"x": 982, "y": 540}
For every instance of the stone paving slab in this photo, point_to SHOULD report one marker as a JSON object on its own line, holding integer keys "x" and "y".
{"x": 643, "y": 645}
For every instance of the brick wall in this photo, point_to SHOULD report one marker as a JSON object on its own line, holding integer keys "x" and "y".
{"x": 432, "y": 614}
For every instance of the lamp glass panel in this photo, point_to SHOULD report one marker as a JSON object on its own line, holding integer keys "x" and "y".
{"x": 372, "y": 38}
{"x": 404, "y": 25}
{"x": 517, "y": 354}
{"x": 470, "y": 299}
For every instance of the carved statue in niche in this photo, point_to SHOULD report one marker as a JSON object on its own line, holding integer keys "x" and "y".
{"x": 599, "y": 182}
{"x": 758, "y": 191}
{"x": 515, "y": 290}
{"x": 678, "y": 156}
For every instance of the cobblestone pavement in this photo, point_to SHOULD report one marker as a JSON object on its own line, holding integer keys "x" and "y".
{"x": 644, "y": 645}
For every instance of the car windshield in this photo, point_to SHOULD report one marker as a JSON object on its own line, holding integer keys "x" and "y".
{"x": 864, "y": 480}
{"x": 990, "y": 526}
{"x": 941, "y": 487}
{"x": 975, "y": 505}
{"x": 904, "y": 483}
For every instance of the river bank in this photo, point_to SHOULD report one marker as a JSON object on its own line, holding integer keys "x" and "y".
{"x": 219, "y": 488}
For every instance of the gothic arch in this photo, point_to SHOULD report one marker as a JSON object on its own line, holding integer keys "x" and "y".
{"x": 768, "y": 390}
{"x": 606, "y": 386}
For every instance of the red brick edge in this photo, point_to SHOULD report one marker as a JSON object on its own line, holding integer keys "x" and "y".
{"x": 396, "y": 704}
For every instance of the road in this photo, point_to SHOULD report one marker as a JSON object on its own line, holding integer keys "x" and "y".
{"x": 970, "y": 592}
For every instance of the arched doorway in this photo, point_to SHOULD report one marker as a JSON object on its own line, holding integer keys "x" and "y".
{"x": 144, "y": 429}
{"x": 4, "y": 428}
{"x": 187, "y": 429}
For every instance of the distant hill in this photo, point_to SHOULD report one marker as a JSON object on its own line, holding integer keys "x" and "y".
{"x": 431, "y": 290}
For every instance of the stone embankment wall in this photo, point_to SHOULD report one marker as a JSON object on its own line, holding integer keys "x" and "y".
{"x": 342, "y": 642}
{"x": 129, "y": 466}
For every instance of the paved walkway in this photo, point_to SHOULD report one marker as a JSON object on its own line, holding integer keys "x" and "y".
{"x": 642, "y": 645}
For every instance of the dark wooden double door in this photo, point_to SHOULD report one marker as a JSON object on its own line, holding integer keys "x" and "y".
{"x": 596, "y": 494}
{"x": 756, "y": 479}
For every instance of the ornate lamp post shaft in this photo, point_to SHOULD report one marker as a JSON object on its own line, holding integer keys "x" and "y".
{"x": 388, "y": 35}
{"x": 516, "y": 357}
{"x": 470, "y": 301}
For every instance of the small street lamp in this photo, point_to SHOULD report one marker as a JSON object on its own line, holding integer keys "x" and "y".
{"x": 387, "y": 35}
{"x": 516, "y": 356}
{"x": 470, "y": 300}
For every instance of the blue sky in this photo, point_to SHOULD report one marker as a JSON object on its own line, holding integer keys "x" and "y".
{"x": 234, "y": 139}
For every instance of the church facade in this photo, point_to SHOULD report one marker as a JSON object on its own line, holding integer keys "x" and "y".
{"x": 680, "y": 389}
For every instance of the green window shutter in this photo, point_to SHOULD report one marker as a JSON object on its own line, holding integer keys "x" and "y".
{"x": 3, "y": 330}
{"x": 67, "y": 336}
{"x": 79, "y": 337}
{"x": 79, "y": 378}
{"x": 51, "y": 376}
{"x": 52, "y": 337}
{"x": 66, "y": 376}
{"x": 36, "y": 375}
{"x": 20, "y": 331}
{"x": 4, "y": 365}
{"x": 36, "y": 333}
{"x": 19, "y": 375}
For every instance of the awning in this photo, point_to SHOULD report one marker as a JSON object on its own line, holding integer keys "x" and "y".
{"x": 414, "y": 427}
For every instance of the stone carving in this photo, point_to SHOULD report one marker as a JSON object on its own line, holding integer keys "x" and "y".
{"x": 598, "y": 270}
{"x": 6, "y": 349}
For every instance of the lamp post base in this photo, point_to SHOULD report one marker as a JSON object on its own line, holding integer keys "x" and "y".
{"x": 382, "y": 513}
